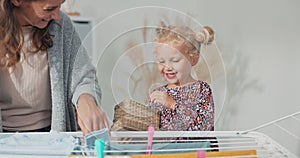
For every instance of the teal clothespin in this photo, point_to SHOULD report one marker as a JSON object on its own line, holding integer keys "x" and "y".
{"x": 99, "y": 145}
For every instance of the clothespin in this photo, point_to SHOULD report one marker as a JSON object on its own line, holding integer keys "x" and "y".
{"x": 201, "y": 154}
{"x": 99, "y": 145}
{"x": 150, "y": 138}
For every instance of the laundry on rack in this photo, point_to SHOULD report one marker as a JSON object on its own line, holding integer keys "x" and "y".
{"x": 52, "y": 143}
{"x": 106, "y": 156}
{"x": 248, "y": 153}
{"x": 92, "y": 136}
{"x": 223, "y": 154}
{"x": 240, "y": 153}
{"x": 128, "y": 149}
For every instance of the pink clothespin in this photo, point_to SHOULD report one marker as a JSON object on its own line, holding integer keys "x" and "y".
{"x": 150, "y": 138}
{"x": 201, "y": 154}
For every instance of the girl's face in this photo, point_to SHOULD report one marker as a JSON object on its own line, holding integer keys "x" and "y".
{"x": 37, "y": 13}
{"x": 173, "y": 65}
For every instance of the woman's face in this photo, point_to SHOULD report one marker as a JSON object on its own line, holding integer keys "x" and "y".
{"x": 173, "y": 65}
{"x": 37, "y": 13}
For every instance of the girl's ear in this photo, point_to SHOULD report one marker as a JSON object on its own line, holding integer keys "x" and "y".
{"x": 194, "y": 57}
{"x": 16, "y": 3}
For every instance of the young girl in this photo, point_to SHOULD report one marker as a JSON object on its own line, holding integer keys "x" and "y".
{"x": 185, "y": 103}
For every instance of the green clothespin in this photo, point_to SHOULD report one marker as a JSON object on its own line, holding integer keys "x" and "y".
{"x": 99, "y": 145}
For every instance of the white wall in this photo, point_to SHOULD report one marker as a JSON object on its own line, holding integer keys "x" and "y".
{"x": 259, "y": 45}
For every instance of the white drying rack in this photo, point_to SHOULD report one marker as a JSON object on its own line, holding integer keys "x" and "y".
{"x": 264, "y": 146}
{"x": 226, "y": 140}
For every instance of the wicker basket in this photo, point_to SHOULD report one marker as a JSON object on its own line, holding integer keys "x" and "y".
{"x": 134, "y": 116}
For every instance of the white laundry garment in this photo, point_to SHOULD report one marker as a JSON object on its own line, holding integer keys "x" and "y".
{"x": 46, "y": 143}
{"x": 99, "y": 134}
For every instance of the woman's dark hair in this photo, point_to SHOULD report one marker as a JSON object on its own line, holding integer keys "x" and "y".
{"x": 12, "y": 40}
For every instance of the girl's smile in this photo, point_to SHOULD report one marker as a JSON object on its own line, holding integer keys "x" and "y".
{"x": 173, "y": 65}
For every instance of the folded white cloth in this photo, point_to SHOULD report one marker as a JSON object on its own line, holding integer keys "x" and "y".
{"x": 48, "y": 143}
{"x": 99, "y": 134}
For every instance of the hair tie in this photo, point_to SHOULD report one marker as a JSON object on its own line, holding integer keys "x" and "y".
{"x": 207, "y": 36}
{"x": 203, "y": 36}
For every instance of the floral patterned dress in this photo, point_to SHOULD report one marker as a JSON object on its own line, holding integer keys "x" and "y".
{"x": 194, "y": 109}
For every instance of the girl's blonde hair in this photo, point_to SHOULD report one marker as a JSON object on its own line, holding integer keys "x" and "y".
{"x": 184, "y": 36}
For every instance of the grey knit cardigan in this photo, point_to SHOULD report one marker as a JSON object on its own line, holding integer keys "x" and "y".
{"x": 71, "y": 74}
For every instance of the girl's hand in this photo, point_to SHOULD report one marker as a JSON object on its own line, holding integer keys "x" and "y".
{"x": 90, "y": 116}
{"x": 163, "y": 98}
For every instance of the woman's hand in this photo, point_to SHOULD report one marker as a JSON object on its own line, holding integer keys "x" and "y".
{"x": 163, "y": 98}
{"x": 90, "y": 116}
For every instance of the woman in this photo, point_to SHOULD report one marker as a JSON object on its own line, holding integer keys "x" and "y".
{"x": 44, "y": 72}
